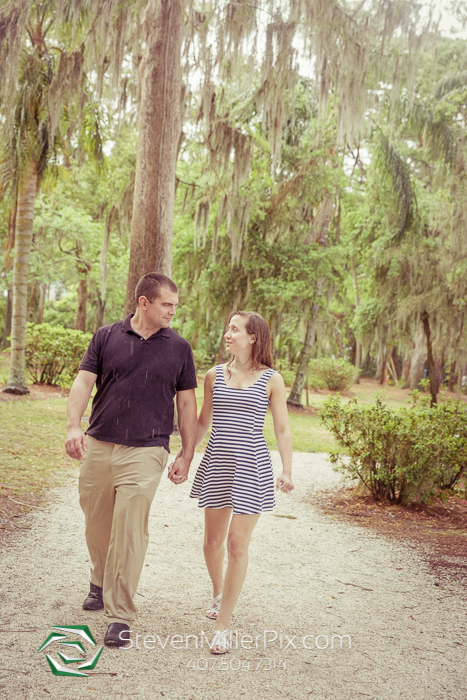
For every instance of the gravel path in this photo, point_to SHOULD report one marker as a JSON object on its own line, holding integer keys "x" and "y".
{"x": 311, "y": 577}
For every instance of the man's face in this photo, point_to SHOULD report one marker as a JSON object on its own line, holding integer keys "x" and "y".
{"x": 160, "y": 312}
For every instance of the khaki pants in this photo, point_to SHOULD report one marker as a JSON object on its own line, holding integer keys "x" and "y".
{"x": 116, "y": 488}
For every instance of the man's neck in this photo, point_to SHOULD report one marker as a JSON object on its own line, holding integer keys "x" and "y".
{"x": 138, "y": 325}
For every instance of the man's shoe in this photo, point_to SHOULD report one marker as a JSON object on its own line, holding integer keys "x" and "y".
{"x": 94, "y": 600}
{"x": 112, "y": 636}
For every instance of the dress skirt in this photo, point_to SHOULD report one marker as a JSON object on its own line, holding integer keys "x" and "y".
{"x": 236, "y": 469}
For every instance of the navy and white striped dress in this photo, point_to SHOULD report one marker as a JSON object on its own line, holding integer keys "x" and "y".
{"x": 236, "y": 470}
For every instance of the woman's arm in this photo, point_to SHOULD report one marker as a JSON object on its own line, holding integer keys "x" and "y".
{"x": 205, "y": 415}
{"x": 278, "y": 403}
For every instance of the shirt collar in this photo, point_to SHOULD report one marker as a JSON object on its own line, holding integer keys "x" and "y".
{"x": 165, "y": 332}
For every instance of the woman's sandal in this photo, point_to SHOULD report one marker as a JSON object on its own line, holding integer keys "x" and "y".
{"x": 213, "y": 611}
{"x": 220, "y": 644}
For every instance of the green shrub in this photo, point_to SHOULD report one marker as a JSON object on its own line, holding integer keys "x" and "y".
{"x": 336, "y": 374}
{"x": 203, "y": 361}
{"x": 288, "y": 375}
{"x": 413, "y": 454}
{"x": 53, "y": 353}
{"x": 326, "y": 373}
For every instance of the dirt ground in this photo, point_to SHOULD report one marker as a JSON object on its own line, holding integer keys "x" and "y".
{"x": 339, "y": 602}
{"x": 439, "y": 529}
{"x": 36, "y": 393}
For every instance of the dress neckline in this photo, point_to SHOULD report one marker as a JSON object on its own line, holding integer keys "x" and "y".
{"x": 234, "y": 388}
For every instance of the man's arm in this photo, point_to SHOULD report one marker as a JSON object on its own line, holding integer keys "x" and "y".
{"x": 78, "y": 400}
{"x": 187, "y": 424}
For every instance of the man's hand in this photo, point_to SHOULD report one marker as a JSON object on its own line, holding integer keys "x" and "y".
{"x": 178, "y": 472}
{"x": 76, "y": 443}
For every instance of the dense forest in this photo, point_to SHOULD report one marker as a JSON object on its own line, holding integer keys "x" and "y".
{"x": 305, "y": 159}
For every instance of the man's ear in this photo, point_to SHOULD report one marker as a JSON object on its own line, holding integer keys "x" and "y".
{"x": 143, "y": 302}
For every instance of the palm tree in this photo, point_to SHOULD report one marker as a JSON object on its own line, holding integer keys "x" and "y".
{"x": 25, "y": 160}
{"x": 40, "y": 77}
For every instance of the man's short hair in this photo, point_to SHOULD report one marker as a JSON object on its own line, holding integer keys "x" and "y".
{"x": 150, "y": 285}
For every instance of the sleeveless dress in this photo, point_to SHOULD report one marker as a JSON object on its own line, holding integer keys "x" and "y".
{"x": 236, "y": 470}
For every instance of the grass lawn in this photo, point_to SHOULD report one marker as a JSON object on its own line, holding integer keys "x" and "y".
{"x": 32, "y": 438}
{"x": 32, "y": 432}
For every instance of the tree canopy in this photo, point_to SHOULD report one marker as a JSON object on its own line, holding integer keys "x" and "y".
{"x": 314, "y": 171}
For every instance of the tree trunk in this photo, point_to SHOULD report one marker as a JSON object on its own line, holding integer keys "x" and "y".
{"x": 158, "y": 141}
{"x": 430, "y": 360}
{"x": 382, "y": 370}
{"x": 318, "y": 233}
{"x": 272, "y": 335}
{"x": 452, "y": 376}
{"x": 33, "y": 301}
{"x": 396, "y": 364}
{"x": 82, "y": 299}
{"x": 418, "y": 360}
{"x": 101, "y": 297}
{"x": 340, "y": 343}
{"x": 358, "y": 344}
{"x": 460, "y": 375}
{"x": 406, "y": 372}
{"x": 35, "y": 287}
{"x": 23, "y": 240}
{"x": 439, "y": 371}
{"x": 295, "y": 396}
{"x": 42, "y": 296}
{"x": 7, "y": 327}
{"x": 358, "y": 359}
{"x": 83, "y": 270}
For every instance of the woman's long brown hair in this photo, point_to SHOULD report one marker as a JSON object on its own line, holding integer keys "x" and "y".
{"x": 261, "y": 350}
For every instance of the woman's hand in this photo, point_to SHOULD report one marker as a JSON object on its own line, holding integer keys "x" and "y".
{"x": 284, "y": 483}
{"x": 278, "y": 403}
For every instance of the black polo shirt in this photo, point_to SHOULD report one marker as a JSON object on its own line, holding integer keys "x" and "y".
{"x": 137, "y": 380}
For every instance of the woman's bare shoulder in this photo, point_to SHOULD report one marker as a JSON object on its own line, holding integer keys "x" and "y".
{"x": 210, "y": 377}
{"x": 276, "y": 380}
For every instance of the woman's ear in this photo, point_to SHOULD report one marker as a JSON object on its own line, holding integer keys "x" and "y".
{"x": 252, "y": 339}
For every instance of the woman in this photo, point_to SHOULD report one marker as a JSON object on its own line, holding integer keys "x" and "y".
{"x": 235, "y": 477}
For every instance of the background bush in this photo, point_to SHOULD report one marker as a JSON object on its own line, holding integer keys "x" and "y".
{"x": 203, "y": 361}
{"x": 53, "y": 353}
{"x": 288, "y": 375}
{"x": 402, "y": 456}
{"x": 336, "y": 374}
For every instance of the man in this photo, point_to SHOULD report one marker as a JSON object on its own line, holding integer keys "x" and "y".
{"x": 139, "y": 364}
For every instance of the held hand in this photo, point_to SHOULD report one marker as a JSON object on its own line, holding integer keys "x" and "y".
{"x": 178, "y": 472}
{"x": 76, "y": 443}
{"x": 284, "y": 483}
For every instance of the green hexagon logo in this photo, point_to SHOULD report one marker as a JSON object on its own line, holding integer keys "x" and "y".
{"x": 71, "y": 651}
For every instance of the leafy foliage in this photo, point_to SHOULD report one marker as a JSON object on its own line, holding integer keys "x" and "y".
{"x": 53, "y": 353}
{"x": 413, "y": 454}
{"x": 337, "y": 196}
{"x": 393, "y": 166}
{"x": 336, "y": 374}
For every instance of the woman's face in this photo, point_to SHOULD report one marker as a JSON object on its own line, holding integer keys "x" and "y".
{"x": 237, "y": 339}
